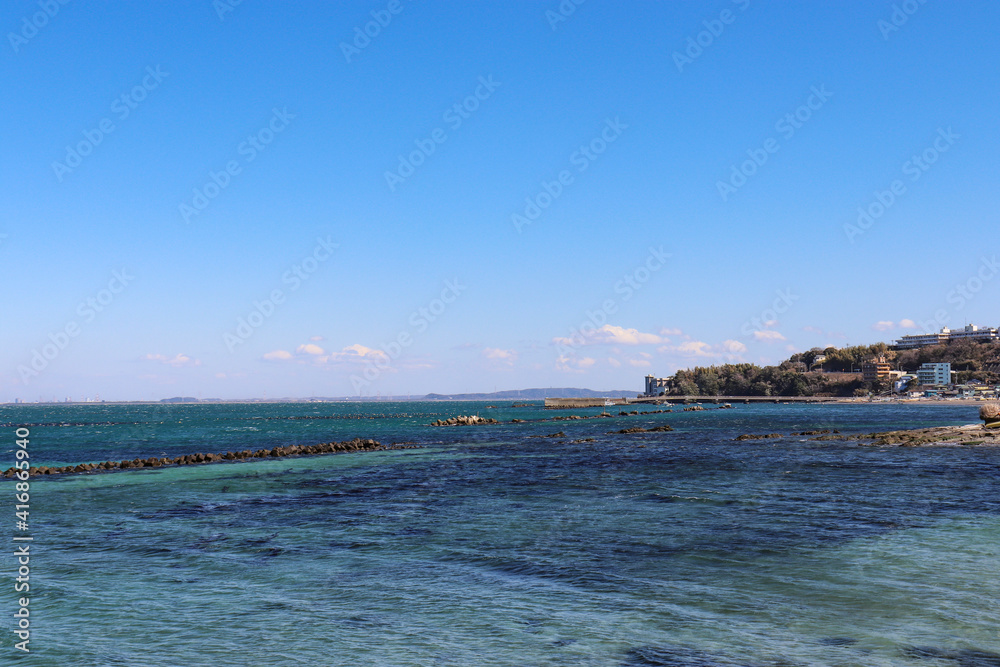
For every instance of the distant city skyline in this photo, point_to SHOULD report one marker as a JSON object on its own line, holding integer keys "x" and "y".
{"x": 235, "y": 200}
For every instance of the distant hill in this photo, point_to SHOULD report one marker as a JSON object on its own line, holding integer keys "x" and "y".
{"x": 511, "y": 395}
{"x": 530, "y": 394}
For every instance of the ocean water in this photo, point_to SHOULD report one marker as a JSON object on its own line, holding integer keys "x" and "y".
{"x": 488, "y": 546}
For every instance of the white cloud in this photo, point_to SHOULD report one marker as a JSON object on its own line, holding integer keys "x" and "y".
{"x": 733, "y": 347}
{"x": 638, "y": 363}
{"x": 358, "y": 352}
{"x": 316, "y": 339}
{"x": 696, "y": 348}
{"x": 574, "y": 364}
{"x": 768, "y": 335}
{"x": 614, "y": 362}
{"x": 889, "y": 325}
{"x": 278, "y": 355}
{"x": 496, "y": 353}
{"x": 501, "y": 357}
{"x": 177, "y": 361}
{"x": 309, "y": 348}
{"x": 610, "y": 334}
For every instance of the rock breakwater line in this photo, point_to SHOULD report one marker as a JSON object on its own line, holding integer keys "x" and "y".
{"x": 355, "y": 445}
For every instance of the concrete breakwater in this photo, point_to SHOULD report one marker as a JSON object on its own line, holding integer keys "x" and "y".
{"x": 355, "y": 445}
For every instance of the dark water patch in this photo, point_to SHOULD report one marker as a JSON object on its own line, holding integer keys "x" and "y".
{"x": 353, "y": 545}
{"x": 533, "y": 626}
{"x": 838, "y": 641}
{"x": 204, "y": 543}
{"x": 961, "y": 657}
{"x": 276, "y": 605}
{"x": 675, "y": 656}
{"x": 189, "y": 511}
{"x": 675, "y": 498}
{"x": 273, "y": 552}
{"x": 561, "y": 572}
{"x": 363, "y": 622}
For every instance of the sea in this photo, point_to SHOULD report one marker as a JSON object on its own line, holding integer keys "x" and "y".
{"x": 534, "y": 543}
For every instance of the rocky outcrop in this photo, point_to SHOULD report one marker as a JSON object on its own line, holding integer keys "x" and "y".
{"x": 639, "y": 429}
{"x": 355, "y": 445}
{"x": 750, "y": 436}
{"x": 990, "y": 414}
{"x": 972, "y": 434}
{"x": 465, "y": 420}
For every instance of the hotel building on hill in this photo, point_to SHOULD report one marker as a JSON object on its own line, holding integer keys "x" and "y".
{"x": 946, "y": 335}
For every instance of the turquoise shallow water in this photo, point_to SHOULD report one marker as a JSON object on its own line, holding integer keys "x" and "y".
{"x": 491, "y": 547}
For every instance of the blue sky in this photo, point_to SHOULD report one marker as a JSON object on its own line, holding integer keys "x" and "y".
{"x": 695, "y": 223}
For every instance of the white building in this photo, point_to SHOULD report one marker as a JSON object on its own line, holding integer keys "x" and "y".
{"x": 970, "y": 332}
{"x": 934, "y": 374}
{"x": 656, "y": 386}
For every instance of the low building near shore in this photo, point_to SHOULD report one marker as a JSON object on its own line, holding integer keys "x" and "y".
{"x": 875, "y": 370}
{"x": 657, "y": 386}
{"x": 930, "y": 374}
